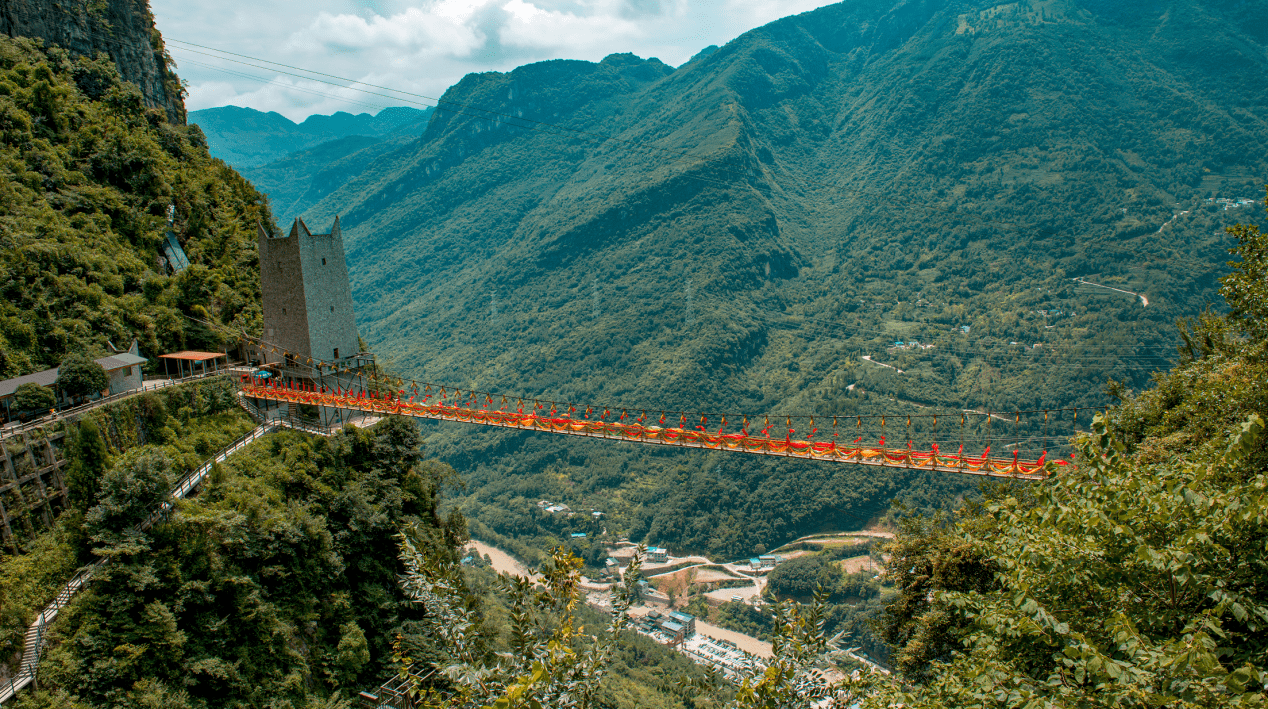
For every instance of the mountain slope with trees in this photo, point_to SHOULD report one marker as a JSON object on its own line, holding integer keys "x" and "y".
{"x": 736, "y": 234}
{"x": 1134, "y": 580}
{"x": 89, "y": 173}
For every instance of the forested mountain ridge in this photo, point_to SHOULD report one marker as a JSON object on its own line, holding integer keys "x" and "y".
{"x": 89, "y": 173}
{"x": 735, "y": 234}
{"x": 245, "y": 137}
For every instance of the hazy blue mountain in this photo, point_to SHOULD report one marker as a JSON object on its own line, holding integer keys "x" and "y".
{"x": 245, "y": 137}
{"x": 301, "y": 179}
{"x": 735, "y": 235}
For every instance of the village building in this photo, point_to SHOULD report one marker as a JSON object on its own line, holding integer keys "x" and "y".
{"x": 123, "y": 370}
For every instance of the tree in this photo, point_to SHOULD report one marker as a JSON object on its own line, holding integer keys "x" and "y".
{"x": 33, "y": 397}
{"x": 130, "y": 491}
{"x": 792, "y": 678}
{"x": 801, "y": 576}
{"x": 90, "y": 458}
{"x": 79, "y": 376}
{"x": 925, "y": 557}
{"x": 552, "y": 663}
{"x": 1246, "y": 289}
{"x": 1127, "y": 582}
{"x": 353, "y": 650}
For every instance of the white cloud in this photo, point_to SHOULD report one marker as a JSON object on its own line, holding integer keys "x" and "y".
{"x": 442, "y": 31}
{"x": 425, "y": 46}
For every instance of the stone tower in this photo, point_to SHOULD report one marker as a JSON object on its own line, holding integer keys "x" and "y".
{"x": 306, "y": 296}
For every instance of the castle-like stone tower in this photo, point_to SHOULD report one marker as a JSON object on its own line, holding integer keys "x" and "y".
{"x": 306, "y": 296}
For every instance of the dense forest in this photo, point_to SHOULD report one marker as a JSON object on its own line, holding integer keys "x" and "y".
{"x": 276, "y": 585}
{"x": 88, "y": 174}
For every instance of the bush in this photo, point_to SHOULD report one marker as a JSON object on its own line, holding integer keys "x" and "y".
{"x": 80, "y": 376}
{"x": 33, "y": 397}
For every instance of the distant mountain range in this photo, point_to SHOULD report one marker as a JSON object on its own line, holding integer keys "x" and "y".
{"x": 299, "y": 164}
{"x": 735, "y": 234}
{"x": 245, "y": 137}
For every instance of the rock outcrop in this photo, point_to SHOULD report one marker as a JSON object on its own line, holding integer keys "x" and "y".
{"x": 123, "y": 29}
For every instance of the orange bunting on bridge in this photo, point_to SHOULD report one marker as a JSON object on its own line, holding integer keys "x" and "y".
{"x": 637, "y": 432}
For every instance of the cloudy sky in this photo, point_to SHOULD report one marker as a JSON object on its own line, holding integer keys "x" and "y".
{"x": 422, "y": 46}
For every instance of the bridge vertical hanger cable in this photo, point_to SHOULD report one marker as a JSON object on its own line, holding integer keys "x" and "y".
{"x": 1045, "y": 436}
{"x": 1016, "y": 438}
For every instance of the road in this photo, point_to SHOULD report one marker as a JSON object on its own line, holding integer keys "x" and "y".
{"x": 869, "y": 359}
{"x": 748, "y": 593}
{"x": 1144, "y": 302}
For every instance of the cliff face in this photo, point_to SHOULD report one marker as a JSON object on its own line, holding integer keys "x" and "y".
{"x": 123, "y": 29}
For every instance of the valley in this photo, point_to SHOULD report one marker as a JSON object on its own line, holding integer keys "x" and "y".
{"x": 738, "y": 233}
{"x": 939, "y": 325}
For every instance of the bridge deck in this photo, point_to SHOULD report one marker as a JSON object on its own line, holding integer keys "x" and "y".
{"x": 638, "y": 432}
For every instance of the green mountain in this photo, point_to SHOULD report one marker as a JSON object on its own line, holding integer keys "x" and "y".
{"x": 736, "y": 234}
{"x": 89, "y": 172}
{"x": 245, "y": 137}
{"x": 301, "y": 179}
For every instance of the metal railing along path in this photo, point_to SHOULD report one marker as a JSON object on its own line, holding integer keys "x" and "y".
{"x": 150, "y": 385}
{"x": 33, "y": 644}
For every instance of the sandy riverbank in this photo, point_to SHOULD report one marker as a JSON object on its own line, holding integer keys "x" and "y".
{"x": 502, "y": 561}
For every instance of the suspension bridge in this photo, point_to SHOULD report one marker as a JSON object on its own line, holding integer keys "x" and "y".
{"x": 386, "y": 395}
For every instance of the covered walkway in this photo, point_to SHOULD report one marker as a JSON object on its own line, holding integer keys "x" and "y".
{"x": 191, "y": 363}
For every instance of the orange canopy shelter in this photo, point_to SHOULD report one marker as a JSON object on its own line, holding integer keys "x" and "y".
{"x": 196, "y": 362}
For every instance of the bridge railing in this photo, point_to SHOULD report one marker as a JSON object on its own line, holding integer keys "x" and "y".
{"x": 394, "y": 693}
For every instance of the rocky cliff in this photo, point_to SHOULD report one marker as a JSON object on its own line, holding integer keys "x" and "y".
{"x": 123, "y": 29}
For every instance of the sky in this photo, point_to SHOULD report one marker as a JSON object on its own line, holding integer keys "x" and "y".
{"x": 421, "y": 47}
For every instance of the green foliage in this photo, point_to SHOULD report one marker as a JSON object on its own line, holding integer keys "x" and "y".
{"x": 88, "y": 458}
{"x": 1246, "y": 289}
{"x": 78, "y": 375}
{"x": 800, "y": 577}
{"x": 926, "y": 557}
{"x": 129, "y": 493}
{"x": 90, "y": 446}
{"x": 33, "y": 397}
{"x": 275, "y": 586}
{"x": 31, "y": 579}
{"x": 1120, "y": 585}
{"x": 792, "y": 678}
{"x": 353, "y": 651}
{"x": 88, "y": 174}
{"x": 551, "y": 661}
